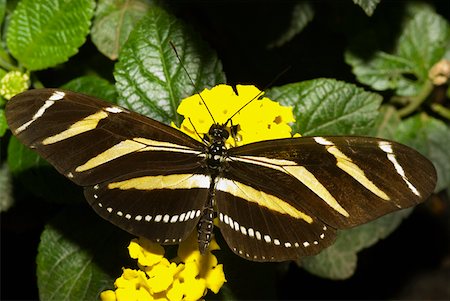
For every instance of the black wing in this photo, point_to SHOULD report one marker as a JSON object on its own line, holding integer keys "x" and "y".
{"x": 297, "y": 192}
{"x": 123, "y": 159}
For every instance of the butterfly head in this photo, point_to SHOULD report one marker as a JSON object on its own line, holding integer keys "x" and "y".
{"x": 218, "y": 132}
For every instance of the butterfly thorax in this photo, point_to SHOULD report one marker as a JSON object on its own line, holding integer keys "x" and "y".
{"x": 217, "y": 151}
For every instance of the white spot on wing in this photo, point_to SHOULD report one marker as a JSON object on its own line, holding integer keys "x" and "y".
{"x": 158, "y": 218}
{"x": 57, "y": 95}
{"x": 322, "y": 141}
{"x": 251, "y": 233}
{"x": 114, "y": 110}
{"x": 236, "y": 226}
{"x": 166, "y": 218}
{"x": 385, "y": 147}
{"x": 174, "y": 219}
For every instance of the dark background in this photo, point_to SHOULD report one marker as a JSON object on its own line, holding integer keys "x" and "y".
{"x": 412, "y": 263}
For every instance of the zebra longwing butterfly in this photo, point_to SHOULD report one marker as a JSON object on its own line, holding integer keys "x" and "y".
{"x": 275, "y": 200}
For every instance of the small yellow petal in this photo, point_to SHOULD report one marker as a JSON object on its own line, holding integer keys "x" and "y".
{"x": 143, "y": 295}
{"x": 108, "y": 295}
{"x": 146, "y": 252}
{"x": 215, "y": 278}
{"x": 194, "y": 289}
{"x": 126, "y": 294}
{"x": 191, "y": 271}
{"x": 161, "y": 277}
{"x": 176, "y": 292}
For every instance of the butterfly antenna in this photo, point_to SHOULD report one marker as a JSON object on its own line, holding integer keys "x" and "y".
{"x": 195, "y": 130}
{"x": 261, "y": 92}
{"x": 192, "y": 82}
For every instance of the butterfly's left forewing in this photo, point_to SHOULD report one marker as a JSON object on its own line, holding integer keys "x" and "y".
{"x": 137, "y": 172}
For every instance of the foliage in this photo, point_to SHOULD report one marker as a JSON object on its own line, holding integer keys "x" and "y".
{"x": 400, "y": 100}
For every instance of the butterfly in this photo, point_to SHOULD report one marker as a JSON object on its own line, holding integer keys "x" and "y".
{"x": 274, "y": 200}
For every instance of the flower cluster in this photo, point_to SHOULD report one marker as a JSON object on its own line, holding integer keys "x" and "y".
{"x": 14, "y": 82}
{"x": 261, "y": 119}
{"x": 187, "y": 277}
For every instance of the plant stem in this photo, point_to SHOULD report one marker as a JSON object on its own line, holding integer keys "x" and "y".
{"x": 441, "y": 110}
{"x": 416, "y": 101}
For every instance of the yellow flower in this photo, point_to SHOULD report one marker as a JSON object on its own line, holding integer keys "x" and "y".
{"x": 14, "y": 82}
{"x": 187, "y": 277}
{"x": 261, "y": 119}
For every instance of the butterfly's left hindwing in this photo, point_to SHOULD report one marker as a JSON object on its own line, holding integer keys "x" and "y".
{"x": 101, "y": 146}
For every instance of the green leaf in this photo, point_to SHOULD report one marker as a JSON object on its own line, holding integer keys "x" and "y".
{"x": 302, "y": 14}
{"x": 42, "y": 34}
{"x": 367, "y": 5}
{"x": 425, "y": 29}
{"x": 329, "y": 107}
{"x": 421, "y": 44}
{"x": 339, "y": 261}
{"x": 5, "y": 60}
{"x": 386, "y": 123}
{"x": 6, "y": 196}
{"x": 38, "y": 176}
{"x": 94, "y": 86}
{"x": 21, "y": 158}
{"x": 113, "y": 23}
{"x": 385, "y": 71}
{"x": 78, "y": 256}
{"x": 3, "y": 124}
{"x": 150, "y": 79}
{"x": 2, "y": 10}
{"x": 431, "y": 137}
